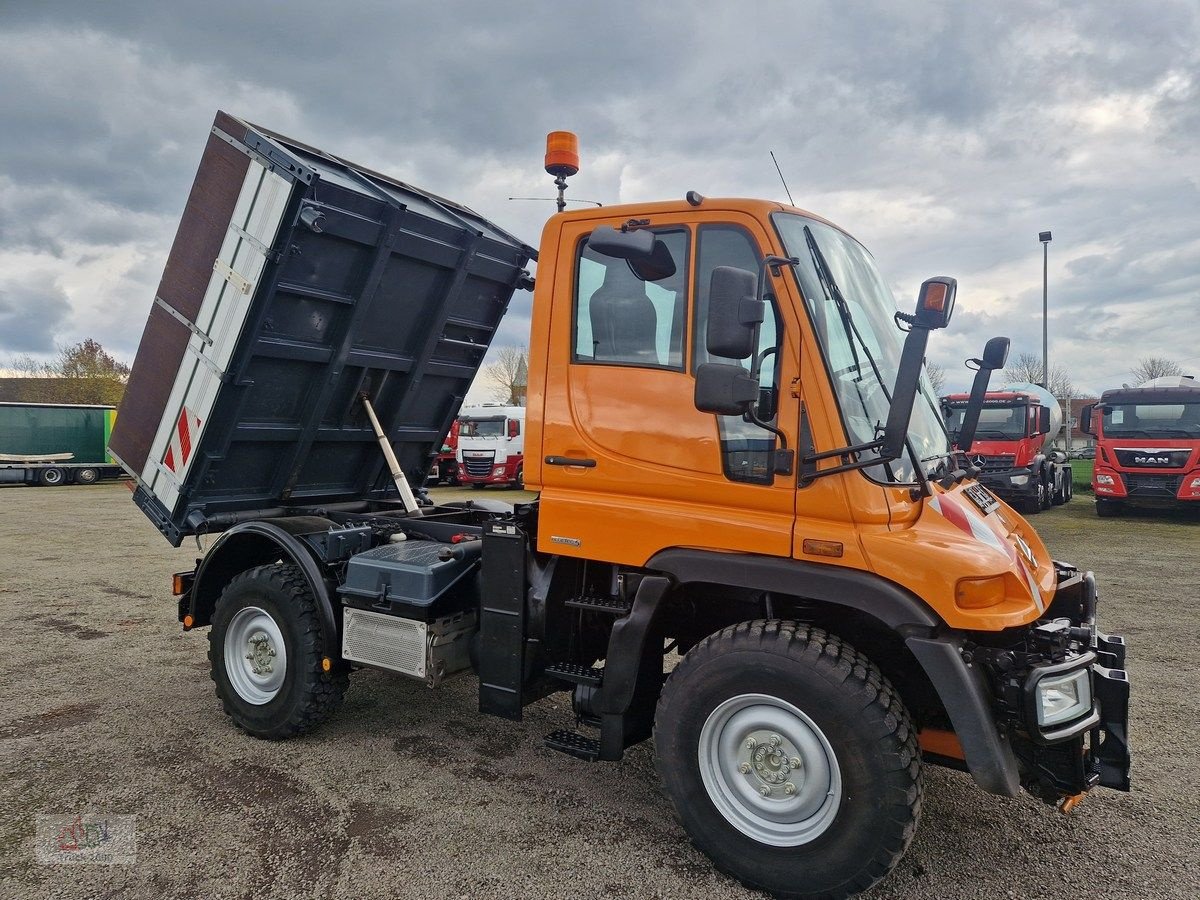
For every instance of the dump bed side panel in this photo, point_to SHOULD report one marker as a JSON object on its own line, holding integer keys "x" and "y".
{"x": 331, "y": 282}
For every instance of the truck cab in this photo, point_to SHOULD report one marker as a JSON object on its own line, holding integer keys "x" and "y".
{"x": 491, "y": 445}
{"x": 1147, "y": 445}
{"x": 1011, "y": 449}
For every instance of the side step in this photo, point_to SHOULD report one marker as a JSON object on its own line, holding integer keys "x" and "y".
{"x": 576, "y": 673}
{"x": 574, "y": 744}
{"x": 606, "y": 605}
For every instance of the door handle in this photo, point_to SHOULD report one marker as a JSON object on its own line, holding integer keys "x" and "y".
{"x": 583, "y": 463}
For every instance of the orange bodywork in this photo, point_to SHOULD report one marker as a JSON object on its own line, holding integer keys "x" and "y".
{"x": 655, "y": 478}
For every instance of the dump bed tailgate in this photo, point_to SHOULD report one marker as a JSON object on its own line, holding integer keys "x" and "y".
{"x": 296, "y": 283}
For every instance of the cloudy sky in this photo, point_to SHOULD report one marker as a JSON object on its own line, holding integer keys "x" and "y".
{"x": 944, "y": 135}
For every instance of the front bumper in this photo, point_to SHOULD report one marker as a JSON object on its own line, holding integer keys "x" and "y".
{"x": 1092, "y": 748}
{"x": 1009, "y": 484}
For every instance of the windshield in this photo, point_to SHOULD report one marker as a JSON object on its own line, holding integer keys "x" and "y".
{"x": 852, "y": 314}
{"x": 996, "y": 422}
{"x": 481, "y": 428}
{"x": 1166, "y": 420}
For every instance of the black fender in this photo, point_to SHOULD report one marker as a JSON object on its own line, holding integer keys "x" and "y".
{"x": 258, "y": 543}
{"x": 963, "y": 691}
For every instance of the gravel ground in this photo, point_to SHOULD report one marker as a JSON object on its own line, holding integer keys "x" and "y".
{"x": 106, "y": 707}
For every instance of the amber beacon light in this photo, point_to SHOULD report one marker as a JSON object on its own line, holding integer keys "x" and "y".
{"x": 562, "y": 160}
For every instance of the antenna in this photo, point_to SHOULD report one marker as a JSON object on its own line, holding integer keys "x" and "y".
{"x": 791, "y": 202}
{"x": 597, "y": 202}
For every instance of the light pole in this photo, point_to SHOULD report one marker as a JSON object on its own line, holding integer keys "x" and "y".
{"x": 1044, "y": 237}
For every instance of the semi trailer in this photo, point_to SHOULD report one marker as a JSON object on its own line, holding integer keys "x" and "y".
{"x": 1012, "y": 448}
{"x": 752, "y": 541}
{"x": 55, "y": 444}
{"x": 1147, "y": 445}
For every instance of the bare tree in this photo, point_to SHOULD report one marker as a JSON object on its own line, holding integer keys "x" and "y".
{"x": 1028, "y": 367}
{"x": 937, "y": 377}
{"x": 1151, "y": 367}
{"x": 509, "y": 374}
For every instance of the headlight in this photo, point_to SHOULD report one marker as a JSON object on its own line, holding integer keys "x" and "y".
{"x": 1061, "y": 698}
{"x": 1020, "y": 480}
{"x": 1104, "y": 479}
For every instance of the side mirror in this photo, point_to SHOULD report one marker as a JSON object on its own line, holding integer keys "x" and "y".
{"x": 1085, "y": 419}
{"x": 935, "y": 303}
{"x": 514, "y": 428}
{"x": 648, "y": 257}
{"x": 734, "y": 313}
{"x": 724, "y": 389}
{"x": 1043, "y": 419}
{"x": 995, "y": 355}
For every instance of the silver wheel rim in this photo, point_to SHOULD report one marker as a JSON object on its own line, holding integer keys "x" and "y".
{"x": 53, "y": 477}
{"x": 255, "y": 655}
{"x": 769, "y": 770}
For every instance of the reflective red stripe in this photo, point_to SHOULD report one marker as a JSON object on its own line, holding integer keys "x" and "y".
{"x": 185, "y": 436}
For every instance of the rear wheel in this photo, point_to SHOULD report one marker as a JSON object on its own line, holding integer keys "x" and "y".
{"x": 1107, "y": 509}
{"x": 265, "y": 648}
{"x": 52, "y": 477}
{"x": 87, "y": 476}
{"x": 790, "y": 760}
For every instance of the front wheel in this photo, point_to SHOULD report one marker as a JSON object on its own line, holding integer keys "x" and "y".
{"x": 790, "y": 759}
{"x": 265, "y": 648}
{"x": 519, "y": 479}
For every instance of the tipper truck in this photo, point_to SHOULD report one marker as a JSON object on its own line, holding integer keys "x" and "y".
{"x": 752, "y": 540}
{"x": 54, "y": 444}
{"x": 1012, "y": 448}
{"x": 1147, "y": 445}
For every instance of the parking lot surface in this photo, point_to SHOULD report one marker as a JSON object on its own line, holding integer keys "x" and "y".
{"x": 106, "y": 708}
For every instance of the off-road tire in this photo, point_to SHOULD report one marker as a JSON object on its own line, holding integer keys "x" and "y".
{"x": 308, "y": 695}
{"x": 858, "y": 711}
{"x": 1108, "y": 509}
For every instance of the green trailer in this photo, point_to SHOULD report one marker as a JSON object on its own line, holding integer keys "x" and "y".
{"x": 56, "y": 443}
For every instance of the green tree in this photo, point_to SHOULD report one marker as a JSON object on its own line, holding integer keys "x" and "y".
{"x": 82, "y": 373}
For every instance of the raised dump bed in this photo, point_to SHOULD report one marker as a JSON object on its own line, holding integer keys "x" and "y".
{"x": 298, "y": 282}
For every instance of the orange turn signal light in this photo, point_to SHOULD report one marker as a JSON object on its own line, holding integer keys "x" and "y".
{"x": 326, "y": 664}
{"x": 178, "y": 587}
{"x": 979, "y": 593}
{"x": 188, "y": 621}
{"x": 935, "y": 296}
{"x": 822, "y": 548}
{"x": 562, "y": 153}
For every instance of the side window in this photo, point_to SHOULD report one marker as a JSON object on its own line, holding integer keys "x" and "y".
{"x": 747, "y": 450}
{"x": 622, "y": 320}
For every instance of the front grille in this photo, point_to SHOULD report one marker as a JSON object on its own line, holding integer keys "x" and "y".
{"x": 1152, "y": 485}
{"x": 479, "y": 466}
{"x": 995, "y": 463}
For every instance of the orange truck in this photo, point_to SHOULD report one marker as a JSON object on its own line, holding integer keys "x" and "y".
{"x": 752, "y": 542}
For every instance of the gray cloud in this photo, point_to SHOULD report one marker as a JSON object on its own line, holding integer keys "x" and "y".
{"x": 943, "y": 135}
{"x": 31, "y": 312}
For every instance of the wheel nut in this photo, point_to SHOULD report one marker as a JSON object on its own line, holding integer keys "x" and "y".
{"x": 744, "y": 768}
{"x": 789, "y": 788}
{"x": 796, "y": 762}
{"x": 775, "y": 739}
{"x": 751, "y": 743}
{"x": 765, "y": 791}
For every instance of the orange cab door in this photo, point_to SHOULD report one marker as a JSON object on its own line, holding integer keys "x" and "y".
{"x": 629, "y": 465}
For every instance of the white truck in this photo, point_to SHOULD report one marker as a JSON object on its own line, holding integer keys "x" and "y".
{"x": 491, "y": 446}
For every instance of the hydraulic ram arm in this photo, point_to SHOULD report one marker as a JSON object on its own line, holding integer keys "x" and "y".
{"x": 406, "y": 494}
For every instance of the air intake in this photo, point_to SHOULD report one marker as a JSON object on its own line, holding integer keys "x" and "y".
{"x": 384, "y": 641}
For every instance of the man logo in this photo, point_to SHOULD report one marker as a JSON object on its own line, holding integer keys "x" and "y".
{"x": 1152, "y": 460}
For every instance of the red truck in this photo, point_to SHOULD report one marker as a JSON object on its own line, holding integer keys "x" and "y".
{"x": 1147, "y": 445}
{"x": 1011, "y": 449}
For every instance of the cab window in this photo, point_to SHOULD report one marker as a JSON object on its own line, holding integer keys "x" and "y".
{"x": 747, "y": 450}
{"x": 625, "y": 321}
